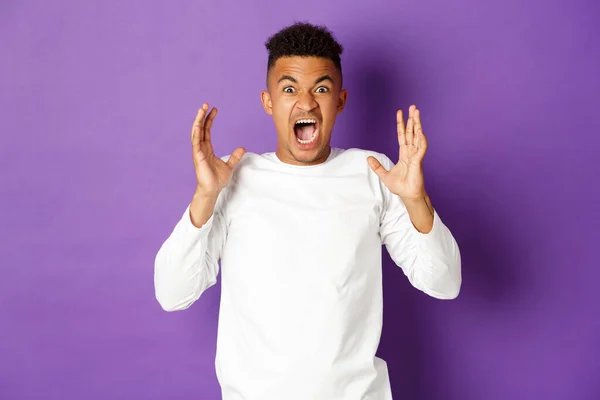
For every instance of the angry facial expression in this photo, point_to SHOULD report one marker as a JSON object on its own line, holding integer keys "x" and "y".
{"x": 304, "y": 96}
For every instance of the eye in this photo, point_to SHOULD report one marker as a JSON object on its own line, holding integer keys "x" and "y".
{"x": 325, "y": 89}
{"x": 291, "y": 89}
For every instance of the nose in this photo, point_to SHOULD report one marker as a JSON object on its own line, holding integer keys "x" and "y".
{"x": 306, "y": 101}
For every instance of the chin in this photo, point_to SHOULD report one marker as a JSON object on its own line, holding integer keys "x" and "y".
{"x": 308, "y": 155}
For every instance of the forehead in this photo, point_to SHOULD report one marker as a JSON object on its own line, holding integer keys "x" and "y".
{"x": 304, "y": 68}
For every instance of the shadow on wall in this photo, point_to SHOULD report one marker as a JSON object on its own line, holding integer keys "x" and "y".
{"x": 489, "y": 250}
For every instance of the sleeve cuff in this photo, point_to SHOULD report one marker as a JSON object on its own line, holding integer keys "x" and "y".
{"x": 191, "y": 228}
{"x": 433, "y": 233}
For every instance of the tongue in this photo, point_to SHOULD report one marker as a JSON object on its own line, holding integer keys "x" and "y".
{"x": 305, "y": 132}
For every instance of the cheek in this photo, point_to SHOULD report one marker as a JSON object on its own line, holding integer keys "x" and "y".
{"x": 329, "y": 112}
{"x": 281, "y": 117}
{"x": 281, "y": 112}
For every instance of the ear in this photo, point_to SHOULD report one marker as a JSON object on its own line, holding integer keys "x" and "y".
{"x": 265, "y": 97}
{"x": 342, "y": 100}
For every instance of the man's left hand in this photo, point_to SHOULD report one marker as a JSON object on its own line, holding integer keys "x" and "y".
{"x": 405, "y": 179}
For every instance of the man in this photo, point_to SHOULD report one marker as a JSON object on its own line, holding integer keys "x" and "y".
{"x": 299, "y": 233}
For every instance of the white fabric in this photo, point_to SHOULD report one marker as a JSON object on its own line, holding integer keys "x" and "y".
{"x": 301, "y": 300}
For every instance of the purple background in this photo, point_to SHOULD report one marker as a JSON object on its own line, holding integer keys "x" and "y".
{"x": 96, "y": 106}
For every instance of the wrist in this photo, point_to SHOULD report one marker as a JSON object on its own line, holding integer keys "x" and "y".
{"x": 421, "y": 203}
{"x": 201, "y": 208}
{"x": 415, "y": 200}
{"x": 203, "y": 194}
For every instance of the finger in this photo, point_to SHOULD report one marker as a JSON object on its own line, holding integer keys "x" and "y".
{"x": 194, "y": 124}
{"x": 421, "y": 139}
{"x": 236, "y": 156}
{"x": 423, "y": 144}
{"x": 401, "y": 128}
{"x": 418, "y": 128}
{"x": 410, "y": 126}
{"x": 195, "y": 136}
{"x": 377, "y": 167}
{"x": 203, "y": 111}
{"x": 208, "y": 125}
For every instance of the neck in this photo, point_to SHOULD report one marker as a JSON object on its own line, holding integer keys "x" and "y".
{"x": 303, "y": 158}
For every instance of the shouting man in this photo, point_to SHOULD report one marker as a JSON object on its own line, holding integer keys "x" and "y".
{"x": 298, "y": 234}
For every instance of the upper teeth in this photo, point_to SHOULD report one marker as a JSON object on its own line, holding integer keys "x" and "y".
{"x": 306, "y": 121}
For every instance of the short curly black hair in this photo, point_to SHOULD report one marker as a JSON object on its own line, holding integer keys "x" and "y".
{"x": 305, "y": 40}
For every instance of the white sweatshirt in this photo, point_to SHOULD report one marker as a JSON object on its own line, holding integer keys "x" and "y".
{"x": 301, "y": 292}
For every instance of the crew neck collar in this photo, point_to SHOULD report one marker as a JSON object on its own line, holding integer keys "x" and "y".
{"x": 332, "y": 154}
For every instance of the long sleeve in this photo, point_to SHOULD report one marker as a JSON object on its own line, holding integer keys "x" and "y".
{"x": 187, "y": 262}
{"x": 431, "y": 261}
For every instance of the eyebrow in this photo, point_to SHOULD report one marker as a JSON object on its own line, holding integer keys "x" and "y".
{"x": 292, "y": 79}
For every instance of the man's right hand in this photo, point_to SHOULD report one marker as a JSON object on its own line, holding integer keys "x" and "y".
{"x": 212, "y": 173}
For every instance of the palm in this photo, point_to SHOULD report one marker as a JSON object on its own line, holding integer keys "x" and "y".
{"x": 212, "y": 173}
{"x": 406, "y": 179}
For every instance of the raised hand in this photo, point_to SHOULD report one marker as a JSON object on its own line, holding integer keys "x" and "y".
{"x": 406, "y": 179}
{"x": 212, "y": 173}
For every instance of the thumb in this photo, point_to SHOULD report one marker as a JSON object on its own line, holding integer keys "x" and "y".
{"x": 236, "y": 156}
{"x": 377, "y": 167}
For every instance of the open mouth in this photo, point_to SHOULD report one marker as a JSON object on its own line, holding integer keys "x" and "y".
{"x": 306, "y": 130}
